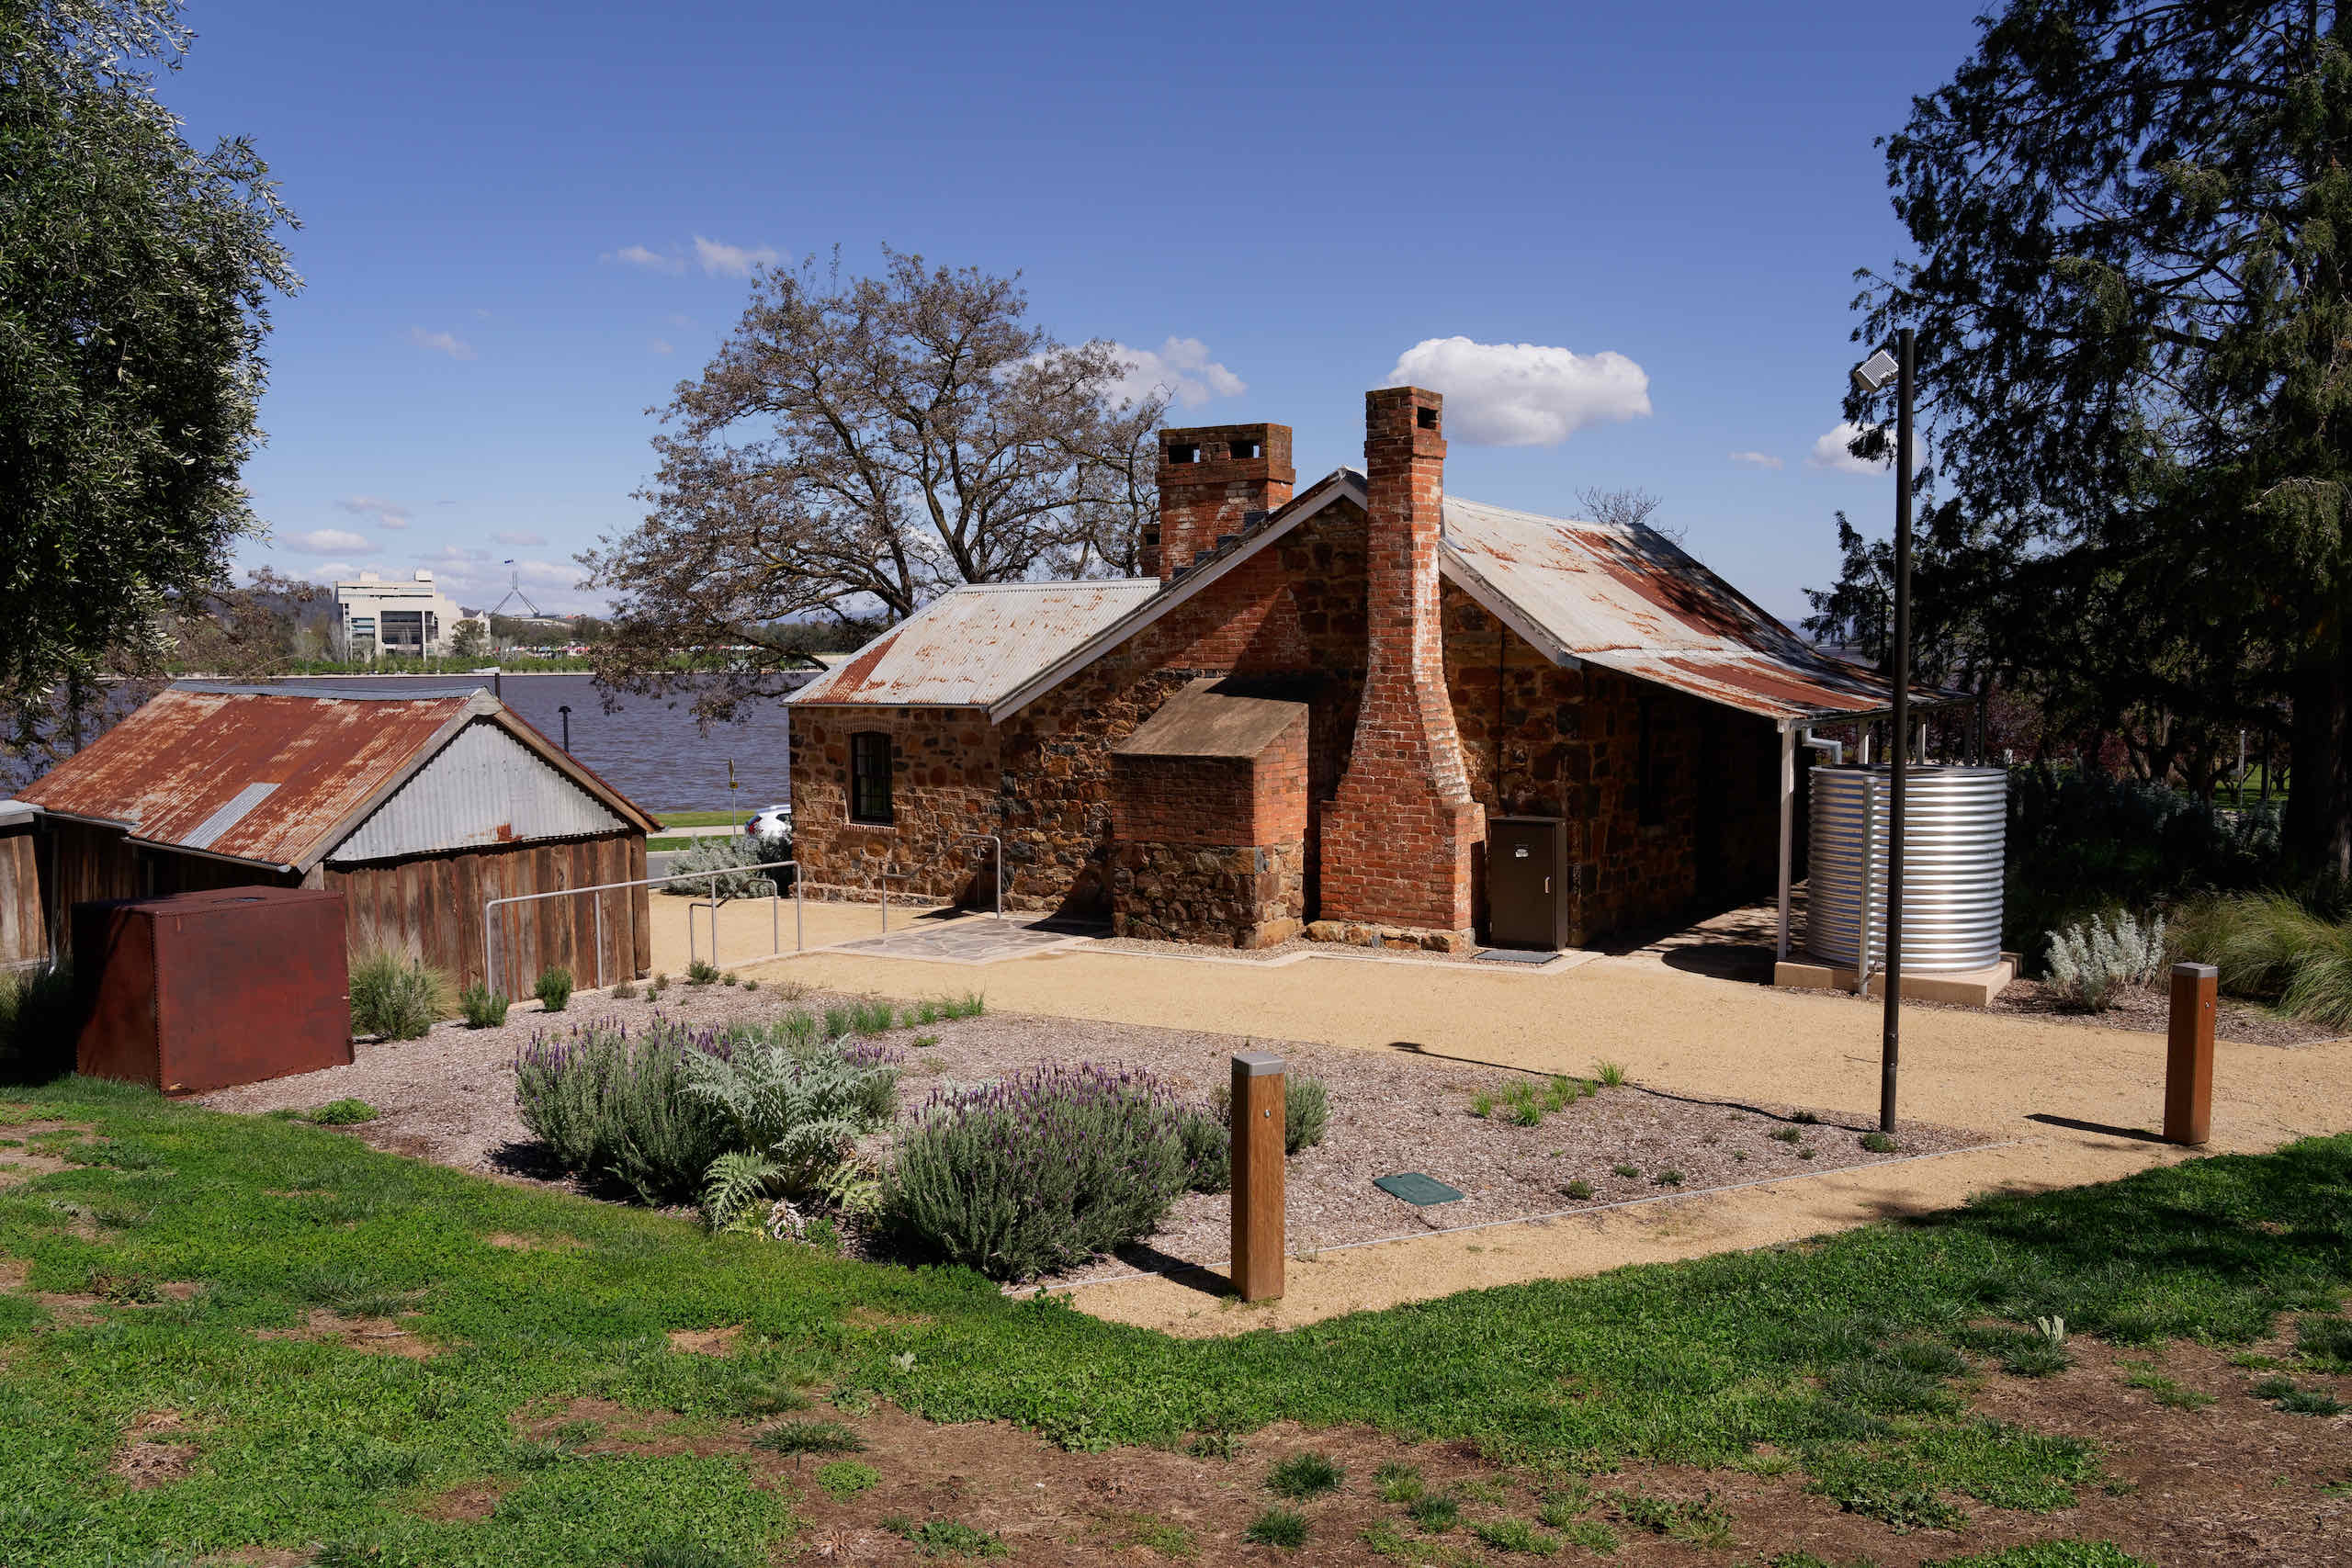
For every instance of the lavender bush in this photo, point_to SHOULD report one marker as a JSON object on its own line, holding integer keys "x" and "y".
{"x": 1039, "y": 1172}
{"x": 610, "y": 1102}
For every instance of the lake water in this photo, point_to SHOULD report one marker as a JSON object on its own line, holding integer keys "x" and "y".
{"x": 649, "y": 748}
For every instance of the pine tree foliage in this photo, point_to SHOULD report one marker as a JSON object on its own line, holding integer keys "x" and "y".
{"x": 2128, "y": 281}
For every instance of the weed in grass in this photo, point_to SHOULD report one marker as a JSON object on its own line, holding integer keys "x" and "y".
{"x": 1874, "y": 1493}
{"x": 1580, "y": 1189}
{"x": 1478, "y": 1489}
{"x": 809, "y": 1438}
{"x": 1152, "y": 1533}
{"x": 2312, "y": 1401}
{"x": 1399, "y": 1484}
{"x": 1435, "y": 1515}
{"x": 1886, "y": 1387}
{"x": 1301, "y": 1475}
{"x": 2326, "y": 1343}
{"x": 485, "y": 1009}
{"x": 343, "y": 1112}
{"x": 1669, "y": 1177}
{"x": 1214, "y": 1444}
{"x": 701, "y": 972}
{"x": 1929, "y": 1357}
{"x": 1768, "y": 1464}
{"x": 1878, "y": 1143}
{"x": 946, "y": 1538}
{"x": 1383, "y": 1540}
{"x": 845, "y": 1478}
{"x": 124, "y": 1290}
{"x": 1784, "y": 1135}
{"x": 687, "y": 1554}
{"x": 1609, "y": 1075}
{"x": 1515, "y": 1535}
{"x": 1627, "y": 1172}
{"x": 2039, "y": 1357}
{"x": 577, "y": 1433}
{"x": 1592, "y": 1535}
{"x": 1277, "y": 1527}
{"x": 2273, "y": 1388}
{"x": 2170, "y": 1394}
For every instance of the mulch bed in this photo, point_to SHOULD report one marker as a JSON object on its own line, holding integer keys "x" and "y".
{"x": 449, "y": 1098}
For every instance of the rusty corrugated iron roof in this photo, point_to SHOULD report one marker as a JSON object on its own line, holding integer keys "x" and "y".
{"x": 269, "y": 775}
{"x": 969, "y": 647}
{"x": 1628, "y": 599}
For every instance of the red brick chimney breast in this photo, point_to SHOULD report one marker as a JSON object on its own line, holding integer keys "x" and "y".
{"x": 1211, "y": 479}
{"x": 1399, "y": 838}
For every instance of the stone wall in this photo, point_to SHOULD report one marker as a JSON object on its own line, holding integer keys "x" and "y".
{"x": 944, "y": 786}
{"x": 1540, "y": 741}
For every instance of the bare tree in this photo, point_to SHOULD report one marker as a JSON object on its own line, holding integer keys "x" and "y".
{"x": 1630, "y": 507}
{"x": 856, "y": 447}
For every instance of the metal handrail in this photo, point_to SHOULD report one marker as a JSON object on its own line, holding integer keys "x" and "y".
{"x": 799, "y": 916}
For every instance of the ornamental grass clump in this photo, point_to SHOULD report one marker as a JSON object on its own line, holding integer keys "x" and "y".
{"x": 397, "y": 997}
{"x": 1039, "y": 1172}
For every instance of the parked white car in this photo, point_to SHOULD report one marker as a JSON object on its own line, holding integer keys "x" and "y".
{"x": 770, "y": 822}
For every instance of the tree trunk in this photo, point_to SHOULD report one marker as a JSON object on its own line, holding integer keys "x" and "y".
{"x": 2318, "y": 825}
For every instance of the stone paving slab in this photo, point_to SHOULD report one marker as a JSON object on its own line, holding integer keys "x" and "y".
{"x": 962, "y": 942}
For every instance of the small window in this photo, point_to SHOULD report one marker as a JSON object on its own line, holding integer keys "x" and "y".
{"x": 1184, "y": 452}
{"x": 1245, "y": 450}
{"x": 869, "y": 777}
{"x": 1649, "y": 776}
{"x": 1426, "y": 417}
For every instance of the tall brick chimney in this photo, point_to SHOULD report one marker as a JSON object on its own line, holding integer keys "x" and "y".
{"x": 1399, "y": 838}
{"x": 1211, "y": 479}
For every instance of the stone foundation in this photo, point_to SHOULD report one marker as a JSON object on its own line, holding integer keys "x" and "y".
{"x": 1226, "y": 896}
{"x": 1355, "y": 933}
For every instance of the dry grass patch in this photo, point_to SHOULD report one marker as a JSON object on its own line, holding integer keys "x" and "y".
{"x": 707, "y": 1341}
{"x": 511, "y": 1242}
{"x": 468, "y": 1503}
{"x": 369, "y": 1335}
{"x": 147, "y": 1459}
{"x": 874, "y": 1317}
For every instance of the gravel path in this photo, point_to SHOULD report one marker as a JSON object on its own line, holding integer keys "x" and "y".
{"x": 449, "y": 1098}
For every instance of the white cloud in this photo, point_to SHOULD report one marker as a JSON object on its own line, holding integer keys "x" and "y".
{"x": 327, "y": 572}
{"x": 732, "y": 261}
{"x": 377, "y": 510}
{"x": 1834, "y": 452}
{"x": 640, "y": 255}
{"x": 1761, "y": 459}
{"x": 450, "y": 343}
{"x": 518, "y": 539}
{"x": 662, "y": 345}
{"x": 1523, "y": 394}
{"x": 330, "y": 541}
{"x": 1180, "y": 368}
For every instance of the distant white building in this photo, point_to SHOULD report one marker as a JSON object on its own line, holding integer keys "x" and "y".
{"x": 402, "y": 619}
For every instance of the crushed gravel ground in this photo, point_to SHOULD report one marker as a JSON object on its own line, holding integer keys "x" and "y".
{"x": 449, "y": 1098}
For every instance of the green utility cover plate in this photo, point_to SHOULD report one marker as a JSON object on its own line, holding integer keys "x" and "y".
{"x": 1416, "y": 1189}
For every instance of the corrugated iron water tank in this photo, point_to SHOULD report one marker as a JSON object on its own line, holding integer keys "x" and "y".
{"x": 1955, "y": 819}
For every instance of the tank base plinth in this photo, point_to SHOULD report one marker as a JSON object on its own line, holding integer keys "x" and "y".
{"x": 1969, "y": 989}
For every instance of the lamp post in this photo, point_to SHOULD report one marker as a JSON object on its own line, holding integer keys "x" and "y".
{"x": 1870, "y": 375}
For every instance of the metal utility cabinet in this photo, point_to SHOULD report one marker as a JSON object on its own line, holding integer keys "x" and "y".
{"x": 1527, "y": 882}
{"x": 201, "y": 990}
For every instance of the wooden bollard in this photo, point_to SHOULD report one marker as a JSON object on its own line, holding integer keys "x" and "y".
{"x": 2189, "y": 1055}
{"x": 1258, "y": 1117}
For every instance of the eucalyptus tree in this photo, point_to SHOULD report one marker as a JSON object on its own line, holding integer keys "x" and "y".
{"x": 135, "y": 274}
{"x": 2129, "y": 220}
{"x": 856, "y": 447}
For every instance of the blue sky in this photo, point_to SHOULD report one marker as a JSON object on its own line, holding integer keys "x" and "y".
{"x": 1299, "y": 196}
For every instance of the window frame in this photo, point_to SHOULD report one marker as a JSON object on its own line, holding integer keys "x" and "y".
{"x": 864, "y": 778}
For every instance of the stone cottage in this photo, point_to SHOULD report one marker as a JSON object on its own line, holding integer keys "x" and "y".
{"x": 1306, "y": 718}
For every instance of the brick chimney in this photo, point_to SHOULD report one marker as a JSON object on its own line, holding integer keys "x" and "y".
{"x": 1211, "y": 479}
{"x": 1399, "y": 838}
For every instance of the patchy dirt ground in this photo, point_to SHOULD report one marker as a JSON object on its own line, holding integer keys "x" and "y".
{"x": 2237, "y": 1482}
{"x": 449, "y": 1098}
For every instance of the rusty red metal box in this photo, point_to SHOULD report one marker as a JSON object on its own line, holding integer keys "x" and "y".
{"x": 201, "y": 990}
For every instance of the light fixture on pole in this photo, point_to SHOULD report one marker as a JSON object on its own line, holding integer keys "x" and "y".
{"x": 1871, "y": 375}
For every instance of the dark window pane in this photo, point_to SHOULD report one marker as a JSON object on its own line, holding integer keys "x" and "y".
{"x": 869, "y": 777}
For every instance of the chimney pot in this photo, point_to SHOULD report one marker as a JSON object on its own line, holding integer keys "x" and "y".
{"x": 1211, "y": 479}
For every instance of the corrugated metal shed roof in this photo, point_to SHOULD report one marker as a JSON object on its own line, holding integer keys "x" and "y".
{"x": 969, "y": 647}
{"x": 273, "y": 776}
{"x": 1627, "y": 598}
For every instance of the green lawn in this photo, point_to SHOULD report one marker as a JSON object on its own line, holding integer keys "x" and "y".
{"x": 732, "y": 818}
{"x": 1839, "y": 1352}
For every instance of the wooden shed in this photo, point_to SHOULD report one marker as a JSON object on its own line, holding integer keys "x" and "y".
{"x": 24, "y": 934}
{"x": 419, "y": 806}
